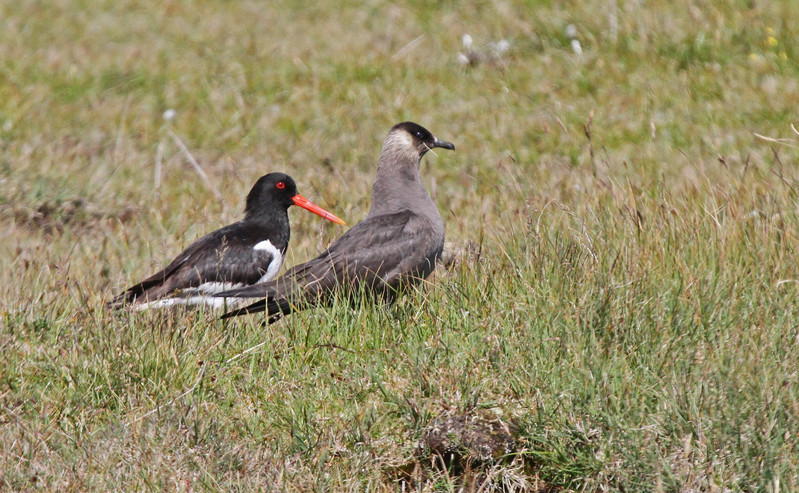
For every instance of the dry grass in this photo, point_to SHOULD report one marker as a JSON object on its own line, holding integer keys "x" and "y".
{"x": 623, "y": 248}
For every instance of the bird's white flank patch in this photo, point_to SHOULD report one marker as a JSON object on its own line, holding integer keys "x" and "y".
{"x": 208, "y": 301}
{"x": 201, "y": 295}
{"x": 274, "y": 265}
{"x": 217, "y": 287}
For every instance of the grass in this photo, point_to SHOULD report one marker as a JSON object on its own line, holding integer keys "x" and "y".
{"x": 622, "y": 249}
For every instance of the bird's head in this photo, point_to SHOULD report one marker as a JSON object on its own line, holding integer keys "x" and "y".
{"x": 278, "y": 190}
{"x": 412, "y": 138}
{"x": 270, "y": 190}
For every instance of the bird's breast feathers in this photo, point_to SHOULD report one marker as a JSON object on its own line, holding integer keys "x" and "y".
{"x": 274, "y": 265}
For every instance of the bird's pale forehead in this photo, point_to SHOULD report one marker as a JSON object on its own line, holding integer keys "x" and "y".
{"x": 399, "y": 138}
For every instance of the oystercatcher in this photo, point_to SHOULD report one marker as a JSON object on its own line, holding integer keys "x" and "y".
{"x": 240, "y": 254}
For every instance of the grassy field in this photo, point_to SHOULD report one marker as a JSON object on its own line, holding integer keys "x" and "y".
{"x": 622, "y": 264}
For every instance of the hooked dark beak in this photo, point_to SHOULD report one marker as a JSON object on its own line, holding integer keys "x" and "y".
{"x": 306, "y": 204}
{"x": 443, "y": 144}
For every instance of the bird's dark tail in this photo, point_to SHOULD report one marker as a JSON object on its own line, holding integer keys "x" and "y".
{"x": 125, "y": 298}
{"x": 275, "y": 309}
{"x": 139, "y": 291}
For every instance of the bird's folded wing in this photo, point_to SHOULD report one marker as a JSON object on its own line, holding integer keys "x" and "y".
{"x": 217, "y": 257}
{"x": 374, "y": 253}
{"x": 363, "y": 245}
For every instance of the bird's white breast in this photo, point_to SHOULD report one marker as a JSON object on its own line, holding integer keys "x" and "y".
{"x": 274, "y": 265}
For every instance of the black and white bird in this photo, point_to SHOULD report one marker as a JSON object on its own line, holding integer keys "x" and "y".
{"x": 240, "y": 254}
{"x": 397, "y": 245}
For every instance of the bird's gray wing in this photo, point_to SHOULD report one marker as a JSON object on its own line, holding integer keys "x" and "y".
{"x": 375, "y": 255}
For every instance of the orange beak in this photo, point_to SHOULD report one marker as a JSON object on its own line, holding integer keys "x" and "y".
{"x": 308, "y": 205}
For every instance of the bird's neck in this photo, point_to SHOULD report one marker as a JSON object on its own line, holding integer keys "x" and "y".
{"x": 398, "y": 185}
{"x": 277, "y": 217}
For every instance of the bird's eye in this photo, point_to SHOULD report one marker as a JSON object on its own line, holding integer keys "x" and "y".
{"x": 281, "y": 185}
{"x": 419, "y": 135}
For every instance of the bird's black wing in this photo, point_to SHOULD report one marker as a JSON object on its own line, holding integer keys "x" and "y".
{"x": 225, "y": 255}
{"x": 376, "y": 255}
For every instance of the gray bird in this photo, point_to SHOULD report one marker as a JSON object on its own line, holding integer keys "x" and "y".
{"x": 397, "y": 245}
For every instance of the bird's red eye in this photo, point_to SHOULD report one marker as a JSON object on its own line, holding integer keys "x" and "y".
{"x": 280, "y": 185}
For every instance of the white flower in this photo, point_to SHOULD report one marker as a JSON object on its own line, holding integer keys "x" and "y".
{"x": 169, "y": 114}
{"x": 502, "y": 46}
{"x": 467, "y": 42}
{"x": 576, "y": 47}
{"x": 571, "y": 31}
